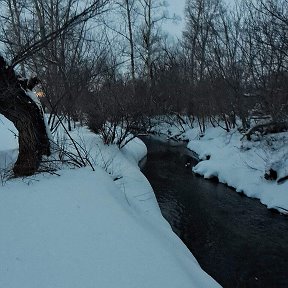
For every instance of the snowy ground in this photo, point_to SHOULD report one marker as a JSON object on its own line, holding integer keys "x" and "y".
{"x": 84, "y": 228}
{"x": 239, "y": 163}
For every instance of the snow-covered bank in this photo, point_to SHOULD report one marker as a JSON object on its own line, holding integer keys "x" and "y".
{"x": 87, "y": 228}
{"x": 242, "y": 164}
{"x": 237, "y": 162}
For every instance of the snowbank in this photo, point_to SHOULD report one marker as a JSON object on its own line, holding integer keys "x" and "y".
{"x": 8, "y": 143}
{"x": 242, "y": 164}
{"x": 87, "y": 228}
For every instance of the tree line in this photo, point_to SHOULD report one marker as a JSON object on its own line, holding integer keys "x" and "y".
{"x": 110, "y": 64}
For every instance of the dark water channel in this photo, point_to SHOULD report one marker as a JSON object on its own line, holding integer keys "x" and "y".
{"x": 235, "y": 239}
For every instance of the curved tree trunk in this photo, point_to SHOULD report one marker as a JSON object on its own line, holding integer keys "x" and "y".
{"x": 27, "y": 117}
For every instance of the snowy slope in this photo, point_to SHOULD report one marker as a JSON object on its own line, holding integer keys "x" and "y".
{"x": 84, "y": 229}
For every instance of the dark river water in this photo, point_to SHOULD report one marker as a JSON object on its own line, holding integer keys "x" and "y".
{"x": 235, "y": 239}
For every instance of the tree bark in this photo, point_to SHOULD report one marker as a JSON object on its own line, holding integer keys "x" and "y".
{"x": 27, "y": 116}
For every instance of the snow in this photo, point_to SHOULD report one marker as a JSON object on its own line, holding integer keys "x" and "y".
{"x": 8, "y": 143}
{"x": 235, "y": 161}
{"x": 9, "y": 134}
{"x": 32, "y": 95}
{"x": 242, "y": 164}
{"x": 84, "y": 228}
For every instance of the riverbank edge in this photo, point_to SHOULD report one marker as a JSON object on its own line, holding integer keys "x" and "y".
{"x": 144, "y": 203}
{"x": 137, "y": 201}
{"x": 229, "y": 159}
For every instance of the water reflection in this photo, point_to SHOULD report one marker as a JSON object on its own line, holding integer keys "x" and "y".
{"x": 238, "y": 241}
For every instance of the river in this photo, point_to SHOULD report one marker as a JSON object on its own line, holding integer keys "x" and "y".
{"x": 236, "y": 239}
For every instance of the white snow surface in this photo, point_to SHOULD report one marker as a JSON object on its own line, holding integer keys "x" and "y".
{"x": 8, "y": 143}
{"x": 242, "y": 164}
{"x": 81, "y": 229}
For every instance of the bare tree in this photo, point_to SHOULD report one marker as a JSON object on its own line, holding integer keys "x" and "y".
{"x": 129, "y": 8}
{"x": 16, "y": 103}
{"x": 201, "y": 18}
{"x": 266, "y": 51}
{"x": 17, "y": 106}
{"x": 152, "y": 14}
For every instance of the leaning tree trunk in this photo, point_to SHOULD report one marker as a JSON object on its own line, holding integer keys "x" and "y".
{"x": 26, "y": 115}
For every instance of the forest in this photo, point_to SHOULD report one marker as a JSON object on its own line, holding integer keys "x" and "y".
{"x": 109, "y": 64}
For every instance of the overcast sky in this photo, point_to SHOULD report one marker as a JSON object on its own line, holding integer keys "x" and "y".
{"x": 175, "y": 7}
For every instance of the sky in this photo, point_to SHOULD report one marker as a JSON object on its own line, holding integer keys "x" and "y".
{"x": 175, "y": 7}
